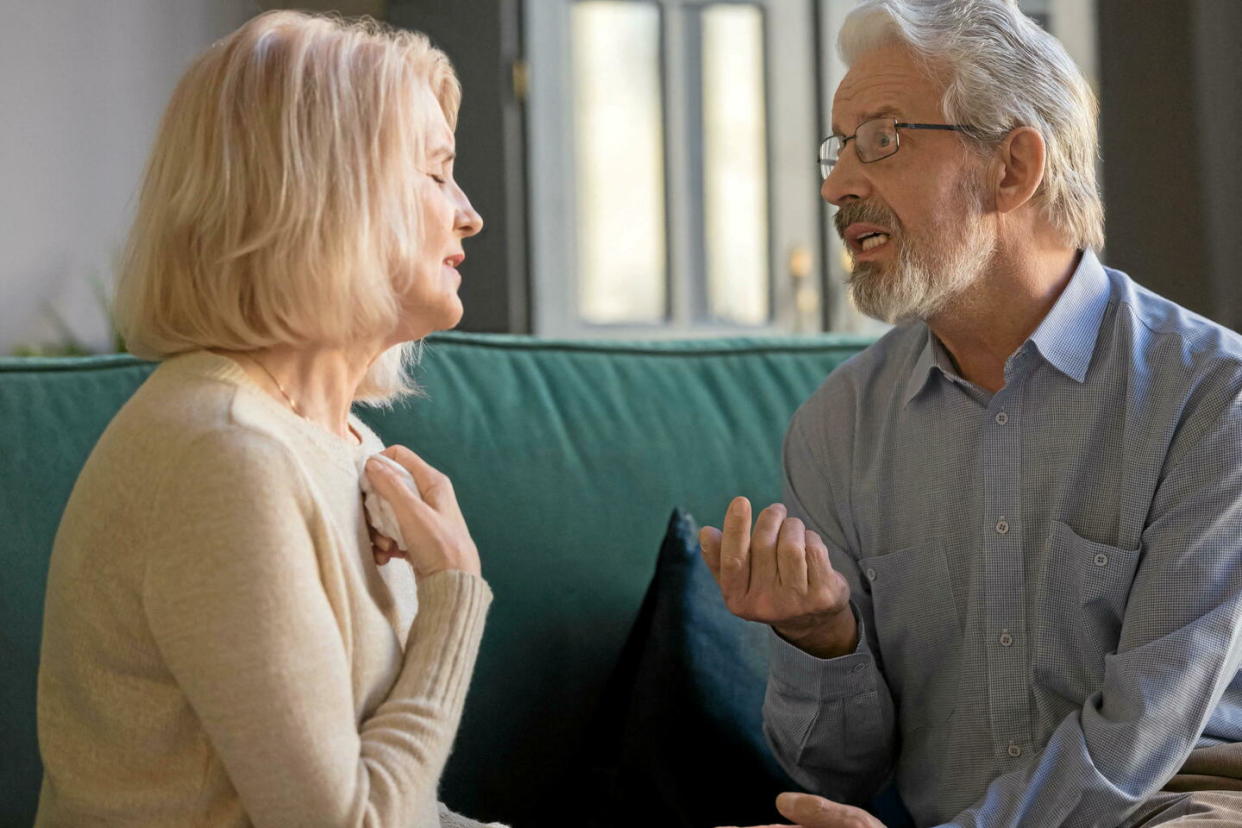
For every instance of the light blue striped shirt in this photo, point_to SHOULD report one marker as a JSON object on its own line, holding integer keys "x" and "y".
{"x": 1048, "y": 578}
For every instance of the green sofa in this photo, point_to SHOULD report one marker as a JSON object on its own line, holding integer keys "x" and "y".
{"x": 567, "y": 458}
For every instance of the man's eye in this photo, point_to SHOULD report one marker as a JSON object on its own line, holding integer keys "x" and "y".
{"x": 439, "y": 179}
{"x": 883, "y": 140}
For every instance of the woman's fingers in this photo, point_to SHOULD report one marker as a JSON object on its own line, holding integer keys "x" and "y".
{"x": 383, "y": 547}
{"x": 433, "y": 485}
{"x": 388, "y": 482}
{"x": 433, "y": 527}
{"x": 415, "y": 515}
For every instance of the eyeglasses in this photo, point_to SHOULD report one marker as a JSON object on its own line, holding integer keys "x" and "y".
{"x": 874, "y": 140}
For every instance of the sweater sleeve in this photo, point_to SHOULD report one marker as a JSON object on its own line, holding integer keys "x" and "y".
{"x": 234, "y": 599}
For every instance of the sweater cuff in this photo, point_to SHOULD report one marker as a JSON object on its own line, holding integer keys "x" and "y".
{"x": 444, "y": 638}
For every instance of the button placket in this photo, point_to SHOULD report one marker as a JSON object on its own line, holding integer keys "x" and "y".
{"x": 1003, "y": 567}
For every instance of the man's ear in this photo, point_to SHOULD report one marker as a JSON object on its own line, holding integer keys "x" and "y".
{"x": 1020, "y": 168}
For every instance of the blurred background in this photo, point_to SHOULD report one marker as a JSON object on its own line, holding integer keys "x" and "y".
{"x": 646, "y": 168}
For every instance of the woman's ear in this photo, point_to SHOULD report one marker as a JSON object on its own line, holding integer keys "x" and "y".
{"x": 1021, "y": 168}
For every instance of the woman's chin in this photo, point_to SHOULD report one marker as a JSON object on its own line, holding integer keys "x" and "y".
{"x": 416, "y": 326}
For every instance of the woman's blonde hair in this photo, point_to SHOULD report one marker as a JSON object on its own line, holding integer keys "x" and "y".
{"x": 277, "y": 207}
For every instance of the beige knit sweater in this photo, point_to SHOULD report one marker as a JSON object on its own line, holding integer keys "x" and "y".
{"x": 219, "y": 647}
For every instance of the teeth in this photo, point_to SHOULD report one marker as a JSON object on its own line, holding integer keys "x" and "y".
{"x": 874, "y": 240}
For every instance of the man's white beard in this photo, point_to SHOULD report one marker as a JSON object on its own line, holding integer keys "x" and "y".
{"x": 930, "y": 271}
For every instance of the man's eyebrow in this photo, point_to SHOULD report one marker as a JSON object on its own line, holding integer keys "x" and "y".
{"x": 443, "y": 154}
{"x": 881, "y": 112}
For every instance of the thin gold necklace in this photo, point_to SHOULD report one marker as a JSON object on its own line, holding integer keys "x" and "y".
{"x": 292, "y": 404}
{"x": 354, "y": 436}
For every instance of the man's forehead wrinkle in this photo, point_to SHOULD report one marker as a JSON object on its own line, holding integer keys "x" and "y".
{"x": 873, "y": 94}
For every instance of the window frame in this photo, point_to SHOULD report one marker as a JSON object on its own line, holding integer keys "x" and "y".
{"x": 793, "y": 183}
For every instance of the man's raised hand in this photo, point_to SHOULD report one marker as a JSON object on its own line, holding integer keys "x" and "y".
{"x": 779, "y": 574}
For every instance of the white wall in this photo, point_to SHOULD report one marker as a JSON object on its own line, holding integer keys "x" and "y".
{"x": 82, "y": 87}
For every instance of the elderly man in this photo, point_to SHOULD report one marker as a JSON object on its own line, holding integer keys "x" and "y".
{"x": 1006, "y": 575}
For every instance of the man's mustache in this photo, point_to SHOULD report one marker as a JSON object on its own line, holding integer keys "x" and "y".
{"x": 864, "y": 211}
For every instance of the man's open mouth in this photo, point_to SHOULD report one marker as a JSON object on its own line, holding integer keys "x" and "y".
{"x": 871, "y": 241}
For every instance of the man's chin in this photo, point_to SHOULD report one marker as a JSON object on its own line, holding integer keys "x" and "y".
{"x": 870, "y": 287}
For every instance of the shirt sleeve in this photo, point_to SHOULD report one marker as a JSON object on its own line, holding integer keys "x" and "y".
{"x": 1180, "y": 648}
{"x": 235, "y": 603}
{"x": 830, "y": 722}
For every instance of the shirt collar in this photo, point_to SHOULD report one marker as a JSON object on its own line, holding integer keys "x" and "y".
{"x": 1066, "y": 337}
{"x": 932, "y": 357}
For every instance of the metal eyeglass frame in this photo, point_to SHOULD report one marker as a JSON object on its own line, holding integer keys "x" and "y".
{"x": 826, "y": 163}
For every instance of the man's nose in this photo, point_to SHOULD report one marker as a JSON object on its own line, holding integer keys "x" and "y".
{"x": 845, "y": 181}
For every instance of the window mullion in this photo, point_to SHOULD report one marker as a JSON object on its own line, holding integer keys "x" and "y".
{"x": 684, "y": 235}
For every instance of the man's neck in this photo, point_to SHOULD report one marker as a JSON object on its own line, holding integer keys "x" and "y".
{"x": 983, "y": 327}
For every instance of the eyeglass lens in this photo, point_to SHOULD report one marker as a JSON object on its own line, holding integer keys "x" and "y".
{"x": 875, "y": 139}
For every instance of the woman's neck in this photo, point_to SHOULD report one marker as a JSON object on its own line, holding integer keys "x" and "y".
{"x": 319, "y": 384}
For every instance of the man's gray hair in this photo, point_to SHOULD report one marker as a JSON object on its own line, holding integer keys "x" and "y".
{"x": 1003, "y": 71}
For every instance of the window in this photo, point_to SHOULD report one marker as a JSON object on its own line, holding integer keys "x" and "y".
{"x": 672, "y": 178}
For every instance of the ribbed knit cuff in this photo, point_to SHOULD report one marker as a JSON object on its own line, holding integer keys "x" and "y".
{"x": 444, "y": 639}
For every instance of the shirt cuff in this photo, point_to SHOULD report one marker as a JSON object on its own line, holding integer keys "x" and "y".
{"x": 827, "y": 679}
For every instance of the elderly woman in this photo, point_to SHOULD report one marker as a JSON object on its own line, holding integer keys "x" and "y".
{"x": 222, "y": 645}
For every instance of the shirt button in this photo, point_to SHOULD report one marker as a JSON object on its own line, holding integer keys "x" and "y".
{"x": 1006, "y": 640}
{"x": 1002, "y": 418}
{"x": 1002, "y": 527}
{"x": 1014, "y": 750}
{"x": 857, "y": 668}
{"x": 871, "y": 574}
{"x": 1101, "y": 559}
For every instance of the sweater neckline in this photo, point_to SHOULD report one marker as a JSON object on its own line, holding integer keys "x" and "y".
{"x": 344, "y": 452}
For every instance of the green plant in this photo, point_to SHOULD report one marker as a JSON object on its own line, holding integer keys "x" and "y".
{"x": 69, "y": 344}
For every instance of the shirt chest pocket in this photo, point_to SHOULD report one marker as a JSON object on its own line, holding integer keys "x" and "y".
{"x": 918, "y": 629}
{"x": 1081, "y": 596}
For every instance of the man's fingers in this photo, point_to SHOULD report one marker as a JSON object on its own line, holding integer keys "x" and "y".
{"x": 791, "y": 555}
{"x": 433, "y": 485}
{"x": 735, "y": 550}
{"x": 709, "y": 543}
{"x": 821, "y": 578}
{"x": 816, "y": 812}
{"x": 763, "y": 567}
{"x": 818, "y": 566}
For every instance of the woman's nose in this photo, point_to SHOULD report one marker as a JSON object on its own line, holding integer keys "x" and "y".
{"x": 469, "y": 222}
